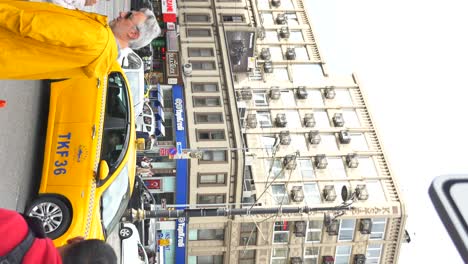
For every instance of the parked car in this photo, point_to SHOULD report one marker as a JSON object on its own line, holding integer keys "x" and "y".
{"x": 146, "y": 122}
{"x": 133, "y": 67}
{"x": 131, "y": 250}
{"x": 89, "y": 160}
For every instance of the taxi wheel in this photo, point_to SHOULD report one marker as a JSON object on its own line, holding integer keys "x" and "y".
{"x": 54, "y": 214}
{"x": 125, "y": 233}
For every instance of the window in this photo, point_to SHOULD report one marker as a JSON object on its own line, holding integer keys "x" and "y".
{"x": 294, "y": 120}
{"x": 211, "y": 198}
{"x": 343, "y": 97}
{"x": 375, "y": 190}
{"x": 321, "y": 119}
{"x": 301, "y": 53}
{"x": 199, "y": 32}
{"x": 233, "y": 18}
{"x": 346, "y": 232}
{"x": 206, "y": 234}
{"x": 296, "y": 36}
{"x": 264, "y": 119}
{"x": 280, "y": 74}
{"x": 287, "y": 4}
{"x": 197, "y": 18}
{"x": 367, "y": 167}
{"x": 204, "y": 87}
{"x": 206, "y": 101}
{"x": 292, "y": 19}
{"x": 203, "y": 65}
{"x": 342, "y": 254}
{"x": 276, "y": 53}
{"x": 307, "y": 168}
{"x": 275, "y": 170}
{"x": 315, "y": 96}
{"x": 378, "y": 229}
{"x": 358, "y": 142}
{"x": 351, "y": 118}
{"x": 299, "y": 141}
{"x": 214, "y": 156}
{"x": 263, "y": 4}
{"x": 271, "y": 36}
{"x": 279, "y": 256}
{"x": 280, "y": 196}
{"x": 268, "y": 142}
{"x": 373, "y": 254}
{"x": 336, "y": 168}
{"x": 328, "y": 142}
{"x": 248, "y": 234}
{"x": 200, "y": 52}
{"x": 208, "y": 118}
{"x": 247, "y": 257}
{"x": 311, "y": 255}
{"x": 211, "y": 178}
{"x": 304, "y": 73}
{"x": 314, "y": 231}
{"x": 281, "y": 232}
{"x": 287, "y": 97}
{"x": 267, "y": 19}
{"x": 205, "y": 260}
{"x": 312, "y": 193}
{"x": 215, "y": 134}
{"x": 260, "y": 99}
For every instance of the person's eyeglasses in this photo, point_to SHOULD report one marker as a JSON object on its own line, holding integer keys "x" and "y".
{"x": 129, "y": 15}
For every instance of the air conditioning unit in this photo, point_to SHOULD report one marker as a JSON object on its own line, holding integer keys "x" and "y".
{"x": 276, "y": 3}
{"x": 290, "y": 54}
{"x": 281, "y": 120}
{"x": 314, "y": 137}
{"x": 359, "y": 259}
{"x": 285, "y": 138}
{"x": 329, "y": 93}
{"x": 246, "y": 94}
{"x": 268, "y": 67}
{"x": 187, "y": 69}
{"x": 329, "y": 193}
{"x": 251, "y": 120}
{"x": 321, "y": 161}
{"x": 332, "y": 228}
{"x": 352, "y": 161}
{"x": 365, "y": 226}
{"x": 328, "y": 260}
{"x": 297, "y": 194}
{"x": 275, "y": 93}
{"x": 300, "y": 228}
{"x": 281, "y": 19}
{"x": 344, "y": 137}
{"x": 289, "y": 162}
{"x": 265, "y": 54}
{"x": 296, "y": 260}
{"x": 309, "y": 120}
{"x": 284, "y": 32}
{"x": 301, "y": 92}
{"x": 338, "y": 120}
{"x": 261, "y": 33}
{"x": 361, "y": 192}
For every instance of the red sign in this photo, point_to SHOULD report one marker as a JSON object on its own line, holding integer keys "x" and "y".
{"x": 169, "y": 10}
{"x": 153, "y": 184}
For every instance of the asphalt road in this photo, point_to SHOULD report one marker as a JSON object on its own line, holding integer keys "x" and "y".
{"x": 23, "y": 124}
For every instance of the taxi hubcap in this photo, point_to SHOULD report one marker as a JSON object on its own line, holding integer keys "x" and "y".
{"x": 50, "y": 215}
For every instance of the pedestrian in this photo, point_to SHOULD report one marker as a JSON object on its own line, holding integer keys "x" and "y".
{"x": 24, "y": 241}
{"x": 73, "y": 4}
{"x": 44, "y": 41}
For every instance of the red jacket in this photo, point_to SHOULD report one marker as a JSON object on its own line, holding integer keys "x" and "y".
{"x": 13, "y": 229}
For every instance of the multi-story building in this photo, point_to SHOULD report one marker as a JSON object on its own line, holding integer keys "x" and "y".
{"x": 275, "y": 129}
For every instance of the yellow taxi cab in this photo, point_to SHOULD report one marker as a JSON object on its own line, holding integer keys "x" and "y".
{"x": 89, "y": 159}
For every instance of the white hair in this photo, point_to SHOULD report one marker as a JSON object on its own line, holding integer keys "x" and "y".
{"x": 148, "y": 30}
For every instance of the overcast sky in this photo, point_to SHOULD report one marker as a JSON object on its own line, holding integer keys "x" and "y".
{"x": 411, "y": 59}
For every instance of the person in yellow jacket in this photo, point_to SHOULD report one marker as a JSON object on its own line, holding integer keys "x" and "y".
{"x": 45, "y": 41}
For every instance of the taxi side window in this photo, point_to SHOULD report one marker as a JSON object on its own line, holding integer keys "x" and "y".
{"x": 116, "y": 123}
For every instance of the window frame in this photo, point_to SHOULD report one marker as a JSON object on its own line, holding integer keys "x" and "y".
{"x": 190, "y": 32}
{"x": 284, "y": 197}
{"x": 196, "y": 101}
{"x": 313, "y": 230}
{"x": 187, "y": 15}
{"x": 202, "y": 161}
{"x": 217, "y": 175}
{"x": 281, "y": 224}
{"x": 191, "y": 50}
{"x": 252, "y": 237}
{"x": 347, "y": 255}
{"x": 196, "y": 85}
{"x": 218, "y": 114}
{"x": 204, "y": 65}
{"x": 342, "y": 229}
{"x": 375, "y": 222}
{"x": 267, "y": 117}
{"x": 215, "y": 195}
{"x": 210, "y": 133}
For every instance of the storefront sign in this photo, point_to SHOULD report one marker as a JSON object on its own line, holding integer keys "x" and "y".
{"x": 153, "y": 184}
{"x": 181, "y": 232}
{"x": 172, "y": 63}
{"x": 169, "y": 10}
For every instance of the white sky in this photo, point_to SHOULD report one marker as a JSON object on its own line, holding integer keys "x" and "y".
{"x": 411, "y": 59}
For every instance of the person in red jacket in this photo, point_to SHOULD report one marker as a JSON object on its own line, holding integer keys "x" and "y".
{"x": 23, "y": 241}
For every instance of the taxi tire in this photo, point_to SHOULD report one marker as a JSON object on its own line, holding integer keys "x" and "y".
{"x": 66, "y": 213}
{"x": 125, "y": 233}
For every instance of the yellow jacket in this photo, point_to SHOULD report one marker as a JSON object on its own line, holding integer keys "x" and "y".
{"x": 45, "y": 41}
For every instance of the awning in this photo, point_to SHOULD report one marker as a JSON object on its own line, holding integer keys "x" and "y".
{"x": 160, "y": 129}
{"x": 156, "y": 97}
{"x": 159, "y": 114}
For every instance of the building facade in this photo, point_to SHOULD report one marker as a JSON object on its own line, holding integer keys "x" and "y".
{"x": 275, "y": 129}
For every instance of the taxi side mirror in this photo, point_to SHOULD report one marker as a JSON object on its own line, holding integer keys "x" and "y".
{"x": 103, "y": 170}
